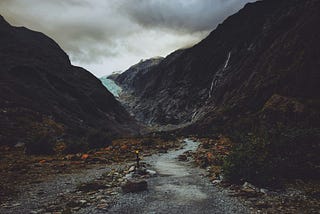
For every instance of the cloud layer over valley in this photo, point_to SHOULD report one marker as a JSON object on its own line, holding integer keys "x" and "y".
{"x": 106, "y": 36}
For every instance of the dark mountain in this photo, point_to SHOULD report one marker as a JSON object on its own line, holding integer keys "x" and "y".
{"x": 40, "y": 91}
{"x": 254, "y": 79}
{"x": 132, "y": 78}
{"x": 267, "y": 53}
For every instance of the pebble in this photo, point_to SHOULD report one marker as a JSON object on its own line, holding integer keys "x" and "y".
{"x": 248, "y": 185}
{"x": 102, "y": 206}
{"x": 151, "y": 172}
{"x": 83, "y": 201}
{"x": 216, "y": 182}
{"x": 131, "y": 169}
{"x": 264, "y": 191}
{"x": 76, "y": 208}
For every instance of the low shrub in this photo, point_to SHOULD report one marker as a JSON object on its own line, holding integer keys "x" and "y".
{"x": 268, "y": 157}
{"x": 98, "y": 139}
{"x": 75, "y": 146}
{"x": 148, "y": 142}
{"x": 40, "y": 144}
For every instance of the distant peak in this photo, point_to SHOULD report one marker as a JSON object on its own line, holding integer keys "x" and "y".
{"x": 157, "y": 57}
{"x": 2, "y": 19}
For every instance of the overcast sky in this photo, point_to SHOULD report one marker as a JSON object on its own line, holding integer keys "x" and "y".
{"x": 111, "y": 35}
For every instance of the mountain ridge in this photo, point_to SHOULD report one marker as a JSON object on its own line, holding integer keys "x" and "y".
{"x": 40, "y": 84}
{"x": 229, "y": 67}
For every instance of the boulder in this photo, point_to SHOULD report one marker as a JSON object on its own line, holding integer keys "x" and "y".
{"x": 134, "y": 186}
{"x": 151, "y": 172}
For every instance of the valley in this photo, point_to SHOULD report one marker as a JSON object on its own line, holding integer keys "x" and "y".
{"x": 228, "y": 125}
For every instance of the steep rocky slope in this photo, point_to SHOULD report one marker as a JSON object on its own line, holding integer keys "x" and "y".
{"x": 269, "y": 50}
{"x": 41, "y": 92}
{"x": 133, "y": 81}
{"x": 132, "y": 78}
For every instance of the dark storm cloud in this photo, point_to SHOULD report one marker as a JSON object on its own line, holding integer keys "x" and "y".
{"x": 114, "y": 34}
{"x": 185, "y": 15}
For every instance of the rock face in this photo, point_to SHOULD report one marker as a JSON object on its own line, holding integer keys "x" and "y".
{"x": 133, "y": 78}
{"x": 133, "y": 82}
{"x": 40, "y": 89}
{"x": 268, "y": 48}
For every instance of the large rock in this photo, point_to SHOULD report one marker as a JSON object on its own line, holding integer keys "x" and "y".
{"x": 134, "y": 185}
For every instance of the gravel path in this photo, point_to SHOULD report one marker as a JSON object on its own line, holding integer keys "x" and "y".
{"x": 179, "y": 188}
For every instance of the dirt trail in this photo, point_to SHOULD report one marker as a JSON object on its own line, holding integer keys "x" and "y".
{"x": 179, "y": 188}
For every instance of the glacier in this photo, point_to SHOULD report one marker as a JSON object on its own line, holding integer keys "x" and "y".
{"x": 111, "y": 86}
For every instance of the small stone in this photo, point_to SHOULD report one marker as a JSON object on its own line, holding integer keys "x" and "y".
{"x": 19, "y": 145}
{"x": 99, "y": 197}
{"x": 129, "y": 176}
{"x": 248, "y": 185}
{"x": 221, "y": 177}
{"x": 262, "y": 204}
{"x": 141, "y": 171}
{"x": 83, "y": 201}
{"x": 151, "y": 172}
{"x": 215, "y": 182}
{"x": 182, "y": 158}
{"x": 102, "y": 206}
{"x": 249, "y": 188}
{"x": 163, "y": 150}
{"x": 76, "y": 208}
{"x": 131, "y": 169}
{"x": 264, "y": 191}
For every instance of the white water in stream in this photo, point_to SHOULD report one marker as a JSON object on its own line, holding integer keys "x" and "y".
{"x": 168, "y": 165}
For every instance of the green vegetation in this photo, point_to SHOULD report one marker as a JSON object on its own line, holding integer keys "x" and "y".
{"x": 75, "y": 146}
{"x": 47, "y": 135}
{"x": 273, "y": 155}
{"x": 98, "y": 138}
{"x": 93, "y": 139}
{"x": 43, "y": 136}
{"x": 40, "y": 144}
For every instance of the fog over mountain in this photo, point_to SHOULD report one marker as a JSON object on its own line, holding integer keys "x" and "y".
{"x": 104, "y": 36}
